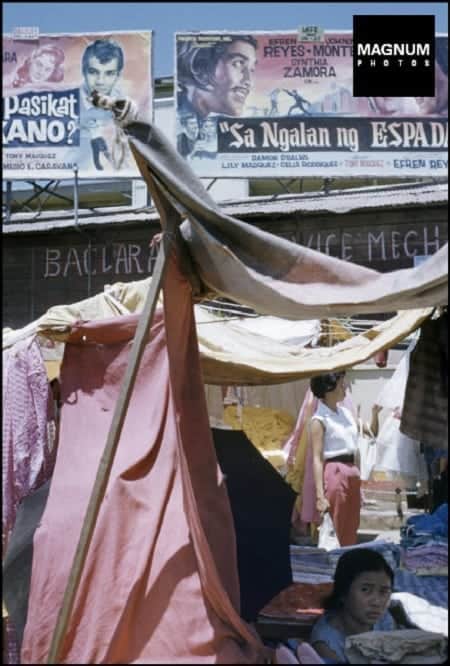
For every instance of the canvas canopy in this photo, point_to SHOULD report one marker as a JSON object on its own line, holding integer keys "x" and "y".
{"x": 261, "y": 350}
{"x": 270, "y": 274}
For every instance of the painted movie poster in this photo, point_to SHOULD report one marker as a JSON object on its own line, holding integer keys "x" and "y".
{"x": 50, "y": 126}
{"x": 278, "y": 105}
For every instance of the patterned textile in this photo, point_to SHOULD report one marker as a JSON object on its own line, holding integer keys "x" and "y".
{"x": 310, "y": 564}
{"x": 299, "y": 601}
{"x": 27, "y": 460}
{"x": 425, "y": 409}
{"x": 433, "y": 589}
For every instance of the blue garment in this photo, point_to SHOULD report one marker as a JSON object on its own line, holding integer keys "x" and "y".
{"x": 325, "y": 632}
{"x": 435, "y": 524}
{"x": 433, "y": 589}
{"x": 389, "y": 550}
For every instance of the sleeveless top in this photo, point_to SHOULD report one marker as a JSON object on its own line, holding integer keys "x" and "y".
{"x": 324, "y": 632}
{"x": 341, "y": 431}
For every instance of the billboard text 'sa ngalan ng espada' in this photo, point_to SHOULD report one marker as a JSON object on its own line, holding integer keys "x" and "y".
{"x": 273, "y": 105}
{"x": 50, "y": 126}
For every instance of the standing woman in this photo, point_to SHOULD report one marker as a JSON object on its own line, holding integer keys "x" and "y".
{"x": 334, "y": 436}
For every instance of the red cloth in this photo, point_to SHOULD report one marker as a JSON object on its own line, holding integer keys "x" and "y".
{"x": 160, "y": 582}
{"x": 300, "y": 601}
{"x": 343, "y": 491}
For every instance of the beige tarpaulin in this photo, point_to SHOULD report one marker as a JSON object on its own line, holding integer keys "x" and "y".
{"x": 249, "y": 367}
{"x": 229, "y": 352}
{"x": 270, "y": 274}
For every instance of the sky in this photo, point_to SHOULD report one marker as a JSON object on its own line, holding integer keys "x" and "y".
{"x": 166, "y": 18}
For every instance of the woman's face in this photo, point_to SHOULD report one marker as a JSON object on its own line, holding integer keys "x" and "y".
{"x": 341, "y": 388}
{"x": 42, "y": 67}
{"x": 368, "y": 597}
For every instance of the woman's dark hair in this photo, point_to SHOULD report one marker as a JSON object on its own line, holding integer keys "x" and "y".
{"x": 349, "y": 566}
{"x": 197, "y": 65}
{"x": 324, "y": 383}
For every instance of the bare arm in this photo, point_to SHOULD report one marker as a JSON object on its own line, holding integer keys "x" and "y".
{"x": 374, "y": 423}
{"x": 317, "y": 433}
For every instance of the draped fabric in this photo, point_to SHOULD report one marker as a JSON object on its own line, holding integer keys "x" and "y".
{"x": 160, "y": 583}
{"x": 425, "y": 407}
{"x": 266, "y": 272}
{"x": 27, "y": 458}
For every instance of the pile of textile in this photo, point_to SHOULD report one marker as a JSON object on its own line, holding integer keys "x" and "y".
{"x": 28, "y": 455}
{"x": 408, "y": 646}
{"x": 424, "y": 543}
{"x": 316, "y": 565}
{"x": 311, "y": 565}
{"x": 266, "y": 428}
{"x": 302, "y": 601}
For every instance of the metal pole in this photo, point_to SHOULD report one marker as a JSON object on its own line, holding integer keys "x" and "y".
{"x": 75, "y": 194}
{"x": 8, "y": 200}
{"x": 107, "y": 459}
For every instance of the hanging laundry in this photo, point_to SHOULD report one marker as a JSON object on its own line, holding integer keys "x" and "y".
{"x": 160, "y": 582}
{"x": 27, "y": 459}
{"x": 425, "y": 408}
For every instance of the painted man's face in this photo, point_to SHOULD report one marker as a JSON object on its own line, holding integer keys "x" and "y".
{"x": 233, "y": 78}
{"x": 101, "y": 76}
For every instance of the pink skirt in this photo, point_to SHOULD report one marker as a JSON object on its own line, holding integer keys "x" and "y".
{"x": 342, "y": 485}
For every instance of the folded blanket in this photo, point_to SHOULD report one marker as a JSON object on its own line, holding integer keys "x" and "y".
{"x": 405, "y": 646}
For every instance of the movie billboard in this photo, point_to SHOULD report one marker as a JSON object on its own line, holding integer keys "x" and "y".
{"x": 280, "y": 104}
{"x": 50, "y": 126}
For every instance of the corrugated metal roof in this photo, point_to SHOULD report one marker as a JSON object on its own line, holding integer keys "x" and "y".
{"x": 339, "y": 202}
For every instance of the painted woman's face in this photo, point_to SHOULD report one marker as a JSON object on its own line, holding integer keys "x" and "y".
{"x": 42, "y": 67}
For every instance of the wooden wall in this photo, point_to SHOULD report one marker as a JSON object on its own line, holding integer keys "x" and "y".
{"x": 52, "y": 268}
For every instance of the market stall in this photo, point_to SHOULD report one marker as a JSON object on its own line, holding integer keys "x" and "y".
{"x": 157, "y": 513}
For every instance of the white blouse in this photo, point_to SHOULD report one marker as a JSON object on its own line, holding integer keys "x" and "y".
{"x": 341, "y": 431}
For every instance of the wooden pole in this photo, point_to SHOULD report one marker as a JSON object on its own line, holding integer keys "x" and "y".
{"x": 105, "y": 465}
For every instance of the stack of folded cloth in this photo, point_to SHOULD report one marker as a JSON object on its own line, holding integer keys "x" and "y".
{"x": 389, "y": 550}
{"x": 311, "y": 565}
{"x": 429, "y": 559}
{"x": 317, "y": 565}
{"x": 424, "y": 543}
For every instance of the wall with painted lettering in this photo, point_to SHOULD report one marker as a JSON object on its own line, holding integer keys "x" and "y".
{"x": 55, "y": 268}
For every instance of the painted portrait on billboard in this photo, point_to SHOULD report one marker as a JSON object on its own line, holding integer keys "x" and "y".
{"x": 275, "y": 105}
{"x": 50, "y": 126}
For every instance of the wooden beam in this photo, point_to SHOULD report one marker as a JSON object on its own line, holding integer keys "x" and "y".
{"x": 107, "y": 459}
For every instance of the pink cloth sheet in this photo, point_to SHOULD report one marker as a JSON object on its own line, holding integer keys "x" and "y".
{"x": 160, "y": 583}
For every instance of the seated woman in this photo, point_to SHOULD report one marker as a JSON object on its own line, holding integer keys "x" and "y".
{"x": 362, "y": 590}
